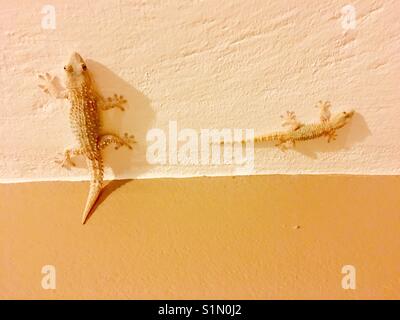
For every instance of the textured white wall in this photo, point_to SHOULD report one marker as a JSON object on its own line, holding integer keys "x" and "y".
{"x": 205, "y": 64}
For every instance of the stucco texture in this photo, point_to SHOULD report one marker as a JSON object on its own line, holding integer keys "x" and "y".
{"x": 204, "y": 64}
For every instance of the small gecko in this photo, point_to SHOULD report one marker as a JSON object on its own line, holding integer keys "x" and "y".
{"x": 301, "y": 132}
{"x": 85, "y": 122}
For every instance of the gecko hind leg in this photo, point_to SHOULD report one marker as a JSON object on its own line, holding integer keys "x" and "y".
{"x": 290, "y": 119}
{"x": 65, "y": 159}
{"x": 114, "y": 102}
{"x": 285, "y": 145}
{"x": 106, "y": 139}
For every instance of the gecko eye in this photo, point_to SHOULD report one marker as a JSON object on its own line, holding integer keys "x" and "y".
{"x": 68, "y": 68}
{"x": 84, "y": 68}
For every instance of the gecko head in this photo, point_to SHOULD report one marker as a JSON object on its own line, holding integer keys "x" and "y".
{"x": 342, "y": 118}
{"x": 76, "y": 71}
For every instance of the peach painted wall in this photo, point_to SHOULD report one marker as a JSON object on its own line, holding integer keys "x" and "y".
{"x": 257, "y": 237}
{"x": 205, "y": 64}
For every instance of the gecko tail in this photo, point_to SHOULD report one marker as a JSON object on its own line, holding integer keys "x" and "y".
{"x": 95, "y": 167}
{"x": 264, "y": 138}
{"x": 94, "y": 192}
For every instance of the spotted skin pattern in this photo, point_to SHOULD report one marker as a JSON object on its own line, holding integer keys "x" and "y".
{"x": 298, "y": 131}
{"x": 84, "y": 116}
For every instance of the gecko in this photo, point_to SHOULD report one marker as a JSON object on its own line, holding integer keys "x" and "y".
{"x": 86, "y": 103}
{"x": 301, "y": 132}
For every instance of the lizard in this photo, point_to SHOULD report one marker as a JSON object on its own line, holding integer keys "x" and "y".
{"x": 301, "y": 132}
{"x": 84, "y": 115}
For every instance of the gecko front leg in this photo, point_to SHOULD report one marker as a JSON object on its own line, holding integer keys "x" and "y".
{"x": 51, "y": 85}
{"x": 325, "y": 113}
{"x": 65, "y": 160}
{"x": 331, "y": 135}
{"x": 112, "y": 102}
{"x": 109, "y": 138}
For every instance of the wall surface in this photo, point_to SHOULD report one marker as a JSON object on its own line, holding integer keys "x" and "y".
{"x": 205, "y": 64}
{"x": 257, "y": 237}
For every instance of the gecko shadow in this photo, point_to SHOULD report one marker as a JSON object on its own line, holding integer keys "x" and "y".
{"x": 137, "y": 119}
{"x": 106, "y": 192}
{"x": 355, "y": 131}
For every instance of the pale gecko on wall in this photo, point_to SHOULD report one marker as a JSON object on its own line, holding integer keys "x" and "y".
{"x": 301, "y": 132}
{"x": 86, "y": 102}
